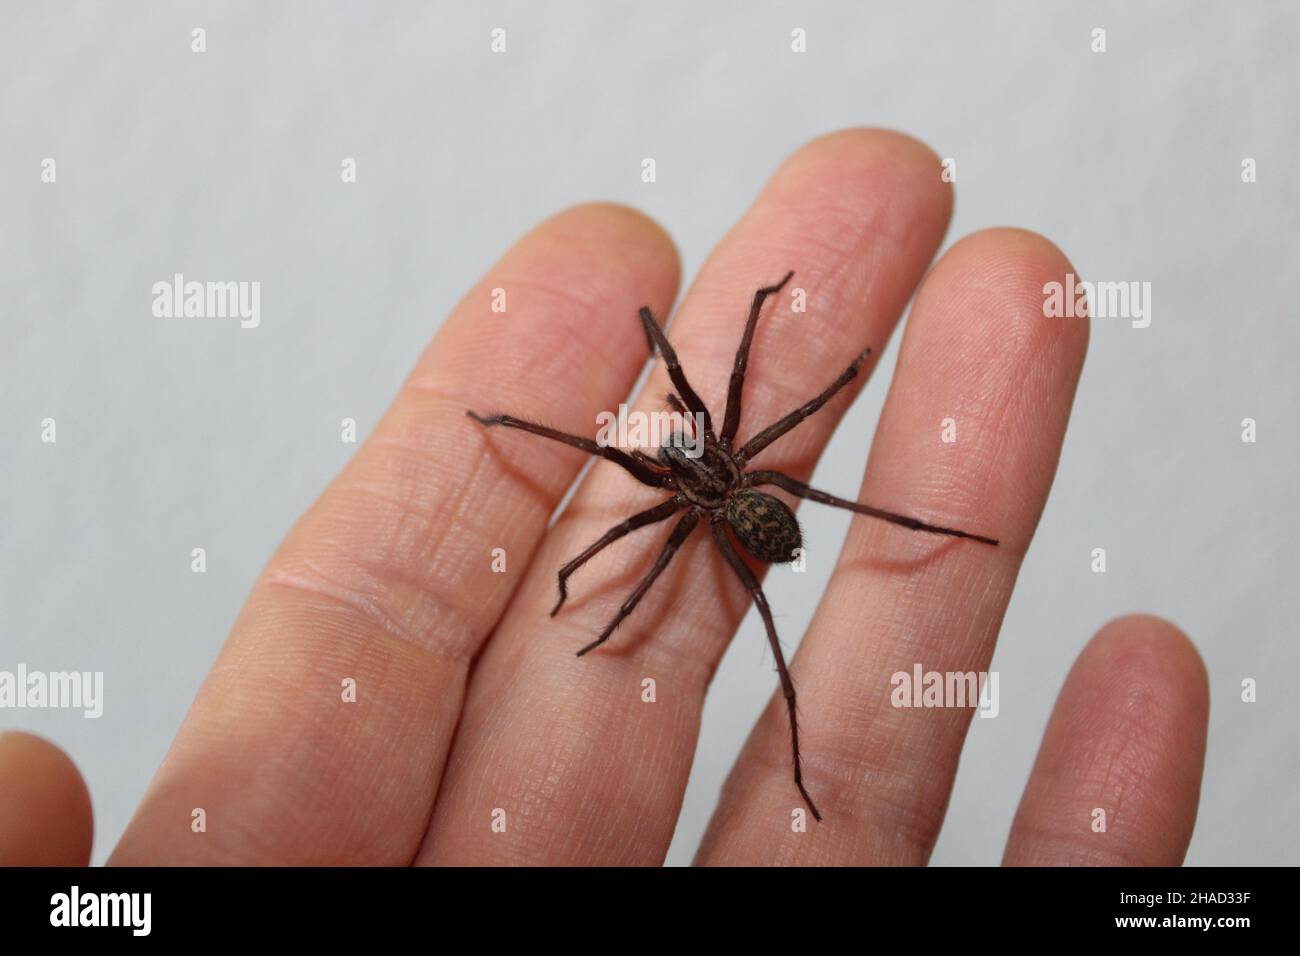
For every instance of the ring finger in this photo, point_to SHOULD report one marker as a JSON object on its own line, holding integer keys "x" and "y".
{"x": 982, "y": 365}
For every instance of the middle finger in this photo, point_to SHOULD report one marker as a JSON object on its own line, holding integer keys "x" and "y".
{"x": 568, "y": 760}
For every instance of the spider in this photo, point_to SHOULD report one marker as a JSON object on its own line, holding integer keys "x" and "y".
{"x": 713, "y": 483}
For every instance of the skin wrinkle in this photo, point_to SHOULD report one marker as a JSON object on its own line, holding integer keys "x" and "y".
{"x": 1112, "y": 775}
{"x": 388, "y": 572}
{"x": 821, "y": 200}
{"x": 434, "y": 426}
{"x": 965, "y": 502}
{"x": 642, "y": 646}
{"x": 1121, "y": 757}
{"x": 613, "y": 575}
{"x": 879, "y": 765}
{"x": 527, "y": 366}
{"x": 771, "y": 391}
{"x": 640, "y": 639}
{"x": 566, "y": 243}
{"x": 448, "y": 551}
{"x": 1081, "y": 850}
{"x": 837, "y": 754}
{"x": 414, "y": 554}
{"x": 241, "y": 829}
{"x": 906, "y": 819}
{"x": 561, "y": 324}
{"x": 552, "y": 296}
{"x": 371, "y": 597}
{"x": 407, "y": 557}
{"x": 427, "y": 480}
{"x": 542, "y": 812}
{"x": 372, "y": 668}
{"x": 920, "y": 554}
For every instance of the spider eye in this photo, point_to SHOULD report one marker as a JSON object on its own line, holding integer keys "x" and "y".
{"x": 764, "y": 526}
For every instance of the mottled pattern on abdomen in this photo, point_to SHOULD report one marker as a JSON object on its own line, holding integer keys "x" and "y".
{"x": 764, "y": 526}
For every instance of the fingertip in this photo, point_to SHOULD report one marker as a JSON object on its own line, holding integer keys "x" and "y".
{"x": 1024, "y": 242}
{"x": 868, "y": 137}
{"x": 1153, "y": 648}
{"x": 45, "y": 812}
{"x": 1117, "y": 779}
{"x": 856, "y": 142}
{"x": 1142, "y": 674}
{"x": 580, "y": 273}
{"x": 601, "y": 225}
{"x": 1011, "y": 268}
{"x": 861, "y": 159}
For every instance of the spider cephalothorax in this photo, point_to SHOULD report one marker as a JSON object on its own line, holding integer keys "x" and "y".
{"x": 711, "y": 480}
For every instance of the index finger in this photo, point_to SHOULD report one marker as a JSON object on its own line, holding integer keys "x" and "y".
{"x": 321, "y": 732}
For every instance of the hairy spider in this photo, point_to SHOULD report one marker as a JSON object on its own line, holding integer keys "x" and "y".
{"x": 715, "y": 484}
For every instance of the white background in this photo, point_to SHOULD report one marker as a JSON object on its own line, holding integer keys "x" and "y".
{"x": 173, "y": 435}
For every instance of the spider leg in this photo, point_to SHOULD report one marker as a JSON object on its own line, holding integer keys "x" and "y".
{"x": 731, "y": 418}
{"x": 774, "y": 431}
{"x": 680, "y": 534}
{"x": 639, "y": 467}
{"x": 812, "y": 494}
{"x": 658, "y": 513}
{"x": 675, "y": 404}
{"x": 751, "y": 584}
{"x": 692, "y": 400}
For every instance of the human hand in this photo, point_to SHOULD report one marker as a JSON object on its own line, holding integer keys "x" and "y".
{"x": 471, "y": 708}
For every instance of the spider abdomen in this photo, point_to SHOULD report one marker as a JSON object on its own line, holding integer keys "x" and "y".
{"x": 764, "y": 526}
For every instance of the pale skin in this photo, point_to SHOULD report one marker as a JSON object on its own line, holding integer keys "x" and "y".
{"x": 469, "y": 697}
